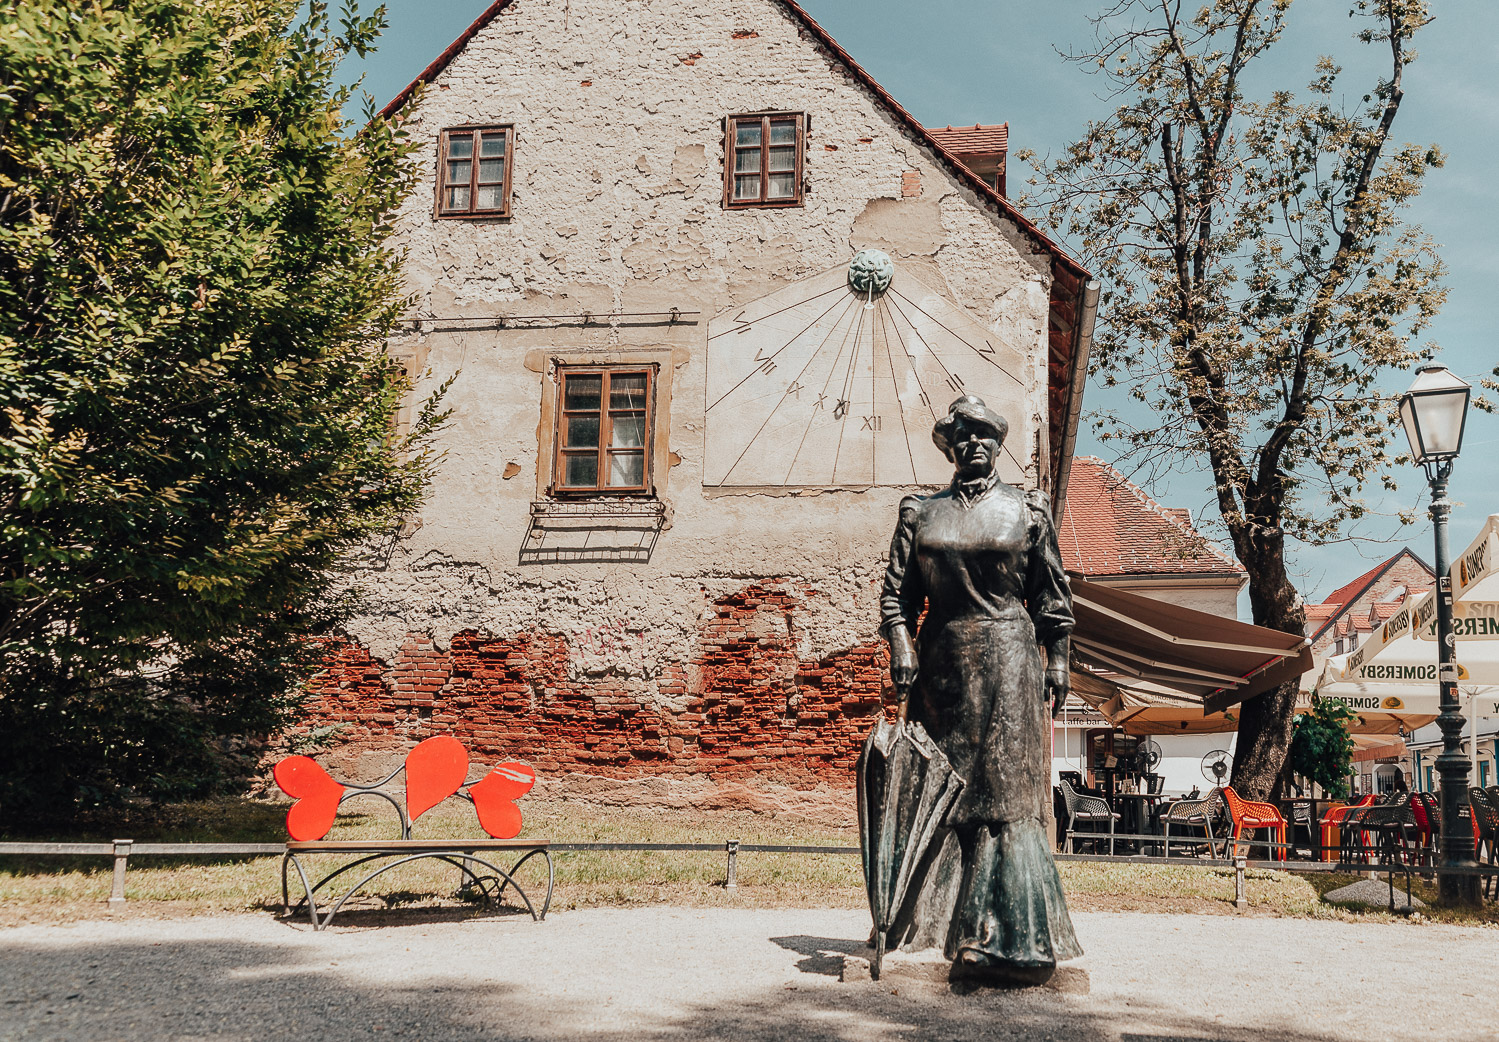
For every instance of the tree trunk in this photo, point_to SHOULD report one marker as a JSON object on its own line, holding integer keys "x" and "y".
{"x": 1265, "y": 722}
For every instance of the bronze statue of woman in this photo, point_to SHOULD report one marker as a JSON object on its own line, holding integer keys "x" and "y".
{"x": 980, "y": 559}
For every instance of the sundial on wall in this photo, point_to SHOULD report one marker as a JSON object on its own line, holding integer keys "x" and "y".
{"x": 836, "y": 380}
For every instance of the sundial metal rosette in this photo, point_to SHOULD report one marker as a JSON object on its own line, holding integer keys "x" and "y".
{"x": 836, "y": 380}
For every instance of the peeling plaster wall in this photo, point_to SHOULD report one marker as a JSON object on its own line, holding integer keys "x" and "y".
{"x": 616, "y": 206}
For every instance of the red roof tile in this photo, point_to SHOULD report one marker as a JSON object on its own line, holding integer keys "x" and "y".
{"x": 1352, "y": 591}
{"x": 1111, "y": 527}
{"x": 975, "y": 140}
{"x": 1322, "y": 611}
{"x": 1349, "y": 592}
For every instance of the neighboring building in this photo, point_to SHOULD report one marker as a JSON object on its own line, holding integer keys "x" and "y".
{"x": 1114, "y": 534}
{"x": 1346, "y": 616}
{"x": 681, "y": 426}
{"x": 1343, "y": 621}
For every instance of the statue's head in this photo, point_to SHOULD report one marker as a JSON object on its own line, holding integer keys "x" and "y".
{"x": 970, "y": 435}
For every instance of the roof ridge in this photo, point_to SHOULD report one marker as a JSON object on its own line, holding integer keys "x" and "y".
{"x": 985, "y": 191}
{"x": 1363, "y": 582}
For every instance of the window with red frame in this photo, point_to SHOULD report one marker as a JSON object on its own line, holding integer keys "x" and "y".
{"x": 473, "y": 171}
{"x": 763, "y": 159}
{"x": 603, "y": 434}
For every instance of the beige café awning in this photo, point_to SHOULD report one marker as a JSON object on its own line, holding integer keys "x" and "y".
{"x": 1160, "y": 651}
{"x": 1145, "y": 708}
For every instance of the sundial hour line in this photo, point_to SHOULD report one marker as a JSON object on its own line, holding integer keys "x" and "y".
{"x": 926, "y": 399}
{"x": 900, "y": 406}
{"x": 840, "y": 407}
{"x": 847, "y": 398}
{"x": 761, "y": 318}
{"x": 796, "y": 382}
{"x": 777, "y": 351}
{"x": 985, "y": 355}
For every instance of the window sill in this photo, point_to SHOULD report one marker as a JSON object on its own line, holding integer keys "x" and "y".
{"x": 637, "y": 504}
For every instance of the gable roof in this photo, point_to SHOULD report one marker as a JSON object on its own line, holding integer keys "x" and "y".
{"x": 1066, "y": 363}
{"x": 1333, "y": 604}
{"x": 795, "y": 10}
{"x": 1110, "y": 526}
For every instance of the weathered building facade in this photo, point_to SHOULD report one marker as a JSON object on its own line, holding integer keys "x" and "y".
{"x": 680, "y": 425}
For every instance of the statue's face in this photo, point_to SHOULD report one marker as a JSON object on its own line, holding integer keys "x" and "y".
{"x": 974, "y": 449}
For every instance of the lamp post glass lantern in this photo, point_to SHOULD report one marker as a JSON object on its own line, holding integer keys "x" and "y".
{"x": 1433, "y": 413}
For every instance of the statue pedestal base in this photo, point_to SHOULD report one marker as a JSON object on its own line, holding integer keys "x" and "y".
{"x": 931, "y": 967}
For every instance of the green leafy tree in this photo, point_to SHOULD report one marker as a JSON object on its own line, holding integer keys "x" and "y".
{"x": 1258, "y": 281}
{"x": 1321, "y": 747}
{"x": 196, "y": 410}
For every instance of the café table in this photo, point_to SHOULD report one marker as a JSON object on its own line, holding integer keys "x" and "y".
{"x": 1316, "y": 806}
{"x": 1137, "y": 814}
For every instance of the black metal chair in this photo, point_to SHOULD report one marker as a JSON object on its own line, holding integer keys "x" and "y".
{"x": 1195, "y": 814}
{"x": 1486, "y": 817}
{"x": 1087, "y": 809}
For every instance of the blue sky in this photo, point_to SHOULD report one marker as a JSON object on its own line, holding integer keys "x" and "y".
{"x": 991, "y": 61}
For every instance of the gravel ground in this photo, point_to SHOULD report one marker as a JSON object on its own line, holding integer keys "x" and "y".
{"x": 602, "y": 974}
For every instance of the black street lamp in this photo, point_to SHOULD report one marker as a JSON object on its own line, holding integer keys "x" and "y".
{"x": 1433, "y": 412}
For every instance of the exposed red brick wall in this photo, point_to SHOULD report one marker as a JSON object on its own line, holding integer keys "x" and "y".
{"x": 750, "y": 706}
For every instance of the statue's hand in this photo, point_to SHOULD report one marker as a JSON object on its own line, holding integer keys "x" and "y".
{"x": 903, "y": 673}
{"x": 1058, "y": 684}
{"x": 902, "y": 662}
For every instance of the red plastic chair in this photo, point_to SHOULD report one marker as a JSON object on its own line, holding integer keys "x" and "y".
{"x": 1247, "y": 815}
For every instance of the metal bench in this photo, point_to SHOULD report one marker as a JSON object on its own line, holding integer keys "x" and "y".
{"x": 435, "y": 770}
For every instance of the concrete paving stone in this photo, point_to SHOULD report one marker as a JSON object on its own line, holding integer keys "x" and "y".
{"x": 722, "y": 974}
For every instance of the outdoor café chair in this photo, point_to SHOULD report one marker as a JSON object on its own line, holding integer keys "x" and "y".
{"x": 1392, "y": 824}
{"x": 1424, "y": 811}
{"x": 1194, "y": 814}
{"x": 1486, "y": 823}
{"x": 1249, "y": 815}
{"x": 1082, "y": 808}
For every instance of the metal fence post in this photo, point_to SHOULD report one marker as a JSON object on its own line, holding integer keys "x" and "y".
{"x": 122, "y": 855}
{"x": 731, "y": 880}
{"x": 1241, "y": 896}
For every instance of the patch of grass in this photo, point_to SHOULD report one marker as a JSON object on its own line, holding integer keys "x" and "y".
{"x": 54, "y": 889}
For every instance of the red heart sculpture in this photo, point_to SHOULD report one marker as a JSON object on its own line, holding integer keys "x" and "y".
{"x": 316, "y": 795}
{"x": 435, "y": 770}
{"x": 494, "y": 798}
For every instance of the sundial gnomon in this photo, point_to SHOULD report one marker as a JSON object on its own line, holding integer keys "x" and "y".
{"x": 836, "y": 381}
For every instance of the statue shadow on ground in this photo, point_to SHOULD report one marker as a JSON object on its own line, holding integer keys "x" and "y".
{"x": 823, "y": 955}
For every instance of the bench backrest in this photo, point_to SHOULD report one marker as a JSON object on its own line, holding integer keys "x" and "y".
{"x": 435, "y": 770}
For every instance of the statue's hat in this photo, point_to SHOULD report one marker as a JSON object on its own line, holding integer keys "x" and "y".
{"x": 972, "y": 410}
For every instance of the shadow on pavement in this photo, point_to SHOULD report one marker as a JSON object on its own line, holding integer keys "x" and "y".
{"x": 824, "y": 955}
{"x": 227, "y": 989}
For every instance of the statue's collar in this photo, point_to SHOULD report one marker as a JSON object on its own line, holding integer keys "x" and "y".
{"x": 969, "y": 492}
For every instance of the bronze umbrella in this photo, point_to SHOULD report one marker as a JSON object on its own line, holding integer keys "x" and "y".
{"x": 906, "y": 787}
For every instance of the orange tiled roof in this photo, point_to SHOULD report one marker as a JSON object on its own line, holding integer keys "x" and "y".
{"x": 1111, "y": 527}
{"x": 1349, "y": 592}
{"x": 975, "y": 140}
